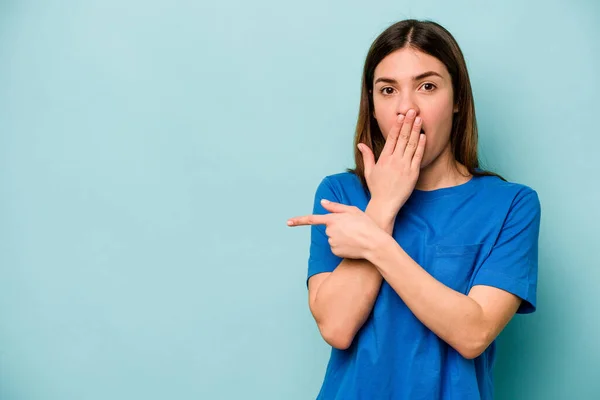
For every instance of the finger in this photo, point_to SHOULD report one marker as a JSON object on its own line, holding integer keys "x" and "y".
{"x": 368, "y": 157}
{"x": 413, "y": 141}
{"x": 309, "y": 220}
{"x": 336, "y": 207}
{"x": 418, "y": 157}
{"x": 405, "y": 133}
{"x": 392, "y": 138}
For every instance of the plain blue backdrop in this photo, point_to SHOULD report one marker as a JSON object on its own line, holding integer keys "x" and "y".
{"x": 151, "y": 152}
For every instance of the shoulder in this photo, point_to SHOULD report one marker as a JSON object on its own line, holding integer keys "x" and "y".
{"x": 342, "y": 179}
{"x": 497, "y": 190}
{"x": 344, "y": 187}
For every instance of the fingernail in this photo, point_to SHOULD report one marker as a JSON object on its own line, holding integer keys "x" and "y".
{"x": 324, "y": 201}
{"x": 418, "y": 120}
{"x": 290, "y": 222}
{"x": 411, "y": 113}
{"x": 400, "y": 118}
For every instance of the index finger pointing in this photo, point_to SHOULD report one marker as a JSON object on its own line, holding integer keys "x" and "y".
{"x": 308, "y": 220}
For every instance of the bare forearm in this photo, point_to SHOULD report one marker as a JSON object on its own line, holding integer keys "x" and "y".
{"x": 455, "y": 318}
{"x": 346, "y": 297}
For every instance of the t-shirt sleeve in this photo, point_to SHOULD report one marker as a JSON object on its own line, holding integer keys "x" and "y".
{"x": 512, "y": 263}
{"x": 321, "y": 258}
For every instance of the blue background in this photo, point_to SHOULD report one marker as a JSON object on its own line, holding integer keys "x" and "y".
{"x": 151, "y": 152}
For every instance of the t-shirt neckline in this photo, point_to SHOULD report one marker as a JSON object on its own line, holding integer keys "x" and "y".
{"x": 462, "y": 188}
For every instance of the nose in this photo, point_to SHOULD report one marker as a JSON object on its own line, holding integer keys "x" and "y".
{"x": 406, "y": 103}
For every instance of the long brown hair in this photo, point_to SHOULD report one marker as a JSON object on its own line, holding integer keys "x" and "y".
{"x": 431, "y": 38}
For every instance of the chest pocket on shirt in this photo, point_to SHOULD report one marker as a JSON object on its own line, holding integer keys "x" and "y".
{"x": 453, "y": 265}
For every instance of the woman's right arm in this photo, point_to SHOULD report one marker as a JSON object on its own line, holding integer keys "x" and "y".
{"x": 340, "y": 301}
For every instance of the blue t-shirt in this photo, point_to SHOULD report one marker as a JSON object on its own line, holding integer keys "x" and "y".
{"x": 482, "y": 232}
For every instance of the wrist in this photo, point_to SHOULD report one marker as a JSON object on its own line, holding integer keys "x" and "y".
{"x": 380, "y": 241}
{"x": 381, "y": 215}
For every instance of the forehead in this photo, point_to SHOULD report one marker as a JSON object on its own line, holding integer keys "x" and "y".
{"x": 405, "y": 63}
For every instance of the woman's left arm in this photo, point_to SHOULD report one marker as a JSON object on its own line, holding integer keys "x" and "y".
{"x": 468, "y": 323}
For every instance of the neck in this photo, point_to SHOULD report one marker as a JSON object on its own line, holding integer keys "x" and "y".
{"x": 443, "y": 172}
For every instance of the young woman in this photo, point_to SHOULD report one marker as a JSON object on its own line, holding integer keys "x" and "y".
{"x": 418, "y": 257}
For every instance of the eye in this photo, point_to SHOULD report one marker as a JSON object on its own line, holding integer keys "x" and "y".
{"x": 384, "y": 91}
{"x": 430, "y": 85}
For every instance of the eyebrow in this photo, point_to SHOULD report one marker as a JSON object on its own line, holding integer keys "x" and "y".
{"x": 415, "y": 78}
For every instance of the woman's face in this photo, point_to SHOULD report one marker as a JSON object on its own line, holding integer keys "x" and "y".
{"x": 409, "y": 79}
